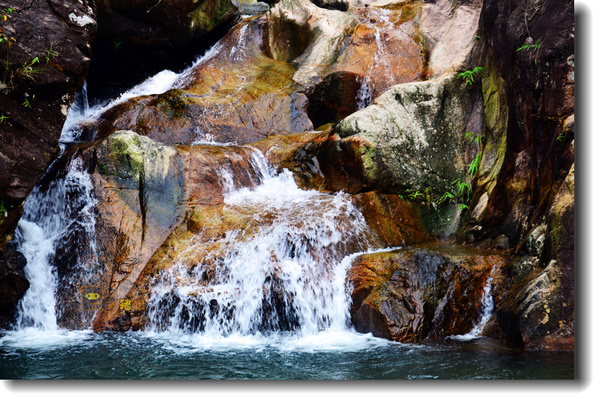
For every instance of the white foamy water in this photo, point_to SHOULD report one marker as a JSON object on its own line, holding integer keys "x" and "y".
{"x": 285, "y": 271}
{"x": 81, "y": 114}
{"x": 35, "y": 338}
{"x": 324, "y": 341}
{"x": 364, "y": 96}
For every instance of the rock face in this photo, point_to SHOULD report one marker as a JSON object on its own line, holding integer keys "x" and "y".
{"x": 413, "y": 294}
{"x": 539, "y": 311}
{"x": 13, "y": 283}
{"x": 45, "y": 48}
{"x": 528, "y": 114}
{"x": 525, "y": 178}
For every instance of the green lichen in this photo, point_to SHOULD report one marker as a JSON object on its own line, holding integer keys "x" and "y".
{"x": 370, "y": 155}
{"x": 209, "y": 15}
{"x": 126, "y": 156}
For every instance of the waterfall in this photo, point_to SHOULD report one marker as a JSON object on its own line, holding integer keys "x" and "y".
{"x": 283, "y": 272}
{"x": 52, "y": 213}
{"x": 487, "y": 307}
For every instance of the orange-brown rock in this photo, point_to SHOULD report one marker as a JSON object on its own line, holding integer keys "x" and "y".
{"x": 424, "y": 292}
{"x": 295, "y": 67}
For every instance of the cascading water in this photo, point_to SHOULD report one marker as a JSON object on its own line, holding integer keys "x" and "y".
{"x": 63, "y": 208}
{"x": 364, "y": 96}
{"x": 282, "y": 272}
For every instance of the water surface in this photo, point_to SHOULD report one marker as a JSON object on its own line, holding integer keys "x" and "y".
{"x": 326, "y": 356}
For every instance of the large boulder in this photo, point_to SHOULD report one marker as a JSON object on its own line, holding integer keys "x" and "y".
{"x": 244, "y": 104}
{"x": 418, "y": 293}
{"x": 411, "y": 137}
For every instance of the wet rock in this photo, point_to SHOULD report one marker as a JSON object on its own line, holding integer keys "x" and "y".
{"x": 13, "y": 283}
{"x": 45, "y": 50}
{"x": 355, "y": 56}
{"x": 538, "y": 312}
{"x": 418, "y": 293}
{"x": 145, "y": 189}
{"x": 393, "y": 220}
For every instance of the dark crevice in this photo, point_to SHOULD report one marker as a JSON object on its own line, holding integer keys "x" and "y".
{"x": 143, "y": 201}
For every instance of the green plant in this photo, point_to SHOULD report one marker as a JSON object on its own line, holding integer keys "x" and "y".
{"x": 475, "y": 138}
{"x": 117, "y": 43}
{"x": 3, "y": 117}
{"x": 50, "y": 53}
{"x": 462, "y": 187}
{"x": 463, "y": 207}
{"x": 416, "y": 194}
{"x": 535, "y": 47}
{"x": 474, "y": 166}
{"x": 6, "y": 63}
{"x": 28, "y": 69}
{"x": 531, "y": 46}
{"x": 26, "y": 103}
{"x": 447, "y": 196}
{"x": 469, "y": 76}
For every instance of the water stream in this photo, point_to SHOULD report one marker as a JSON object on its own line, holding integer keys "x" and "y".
{"x": 364, "y": 96}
